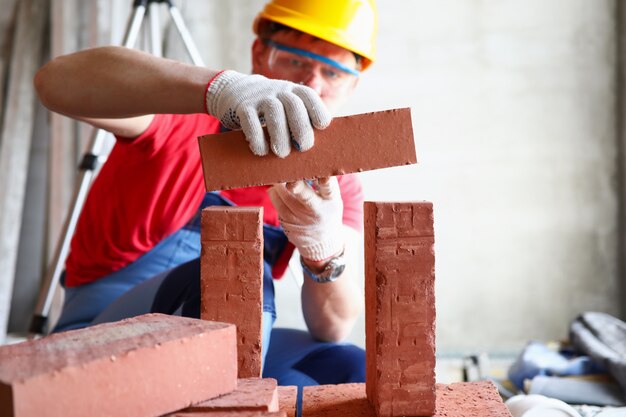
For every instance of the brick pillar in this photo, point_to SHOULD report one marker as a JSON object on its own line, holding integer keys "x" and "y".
{"x": 232, "y": 277}
{"x": 400, "y": 308}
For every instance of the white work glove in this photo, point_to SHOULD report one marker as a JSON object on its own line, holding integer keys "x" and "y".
{"x": 311, "y": 218}
{"x": 240, "y": 100}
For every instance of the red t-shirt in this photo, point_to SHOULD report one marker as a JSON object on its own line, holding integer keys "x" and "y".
{"x": 150, "y": 187}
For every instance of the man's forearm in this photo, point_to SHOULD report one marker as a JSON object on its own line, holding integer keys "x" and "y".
{"x": 117, "y": 82}
{"x": 331, "y": 309}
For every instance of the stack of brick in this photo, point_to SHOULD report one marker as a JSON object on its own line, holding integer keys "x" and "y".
{"x": 147, "y": 366}
{"x": 156, "y": 365}
{"x": 231, "y": 265}
{"x": 400, "y": 330}
{"x": 400, "y": 308}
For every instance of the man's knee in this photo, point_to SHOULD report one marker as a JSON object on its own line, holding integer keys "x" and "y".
{"x": 335, "y": 364}
{"x": 180, "y": 290}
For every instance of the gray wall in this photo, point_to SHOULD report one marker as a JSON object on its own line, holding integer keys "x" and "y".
{"x": 514, "y": 108}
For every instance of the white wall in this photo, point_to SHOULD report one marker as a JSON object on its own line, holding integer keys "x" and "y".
{"x": 514, "y": 108}
{"x": 514, "y": 117}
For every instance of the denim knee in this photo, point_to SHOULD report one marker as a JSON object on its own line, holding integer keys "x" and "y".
{"x": 335, "y": 364}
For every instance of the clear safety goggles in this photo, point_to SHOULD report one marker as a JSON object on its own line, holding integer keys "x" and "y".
{"x": 297, "y": 65}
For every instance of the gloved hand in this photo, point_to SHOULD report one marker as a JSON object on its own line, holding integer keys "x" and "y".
{"x": 311, "y": 218}
{"x": 240, "y": 100}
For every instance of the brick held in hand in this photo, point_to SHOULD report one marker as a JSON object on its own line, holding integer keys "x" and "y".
{"x": 145, "y": 366}
{"x": 357, "y": 143}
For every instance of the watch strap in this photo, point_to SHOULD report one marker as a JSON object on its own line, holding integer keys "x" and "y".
{"x": 333, "y": 269}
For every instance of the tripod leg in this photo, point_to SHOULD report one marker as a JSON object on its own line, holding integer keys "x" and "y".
{"x": 87, "y": 170}
{"x": 90, "y": 160}
{"x": 156, "y": 43}
{"x": 87, "y": 167}
{"x": 192, "y": 50}
{"x": 134, "y": 24}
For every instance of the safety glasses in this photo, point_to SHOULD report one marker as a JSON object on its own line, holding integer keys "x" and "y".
{"x": 298, "y": 65}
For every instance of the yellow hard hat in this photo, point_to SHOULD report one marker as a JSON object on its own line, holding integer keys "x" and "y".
{"x": 351, "y": 24}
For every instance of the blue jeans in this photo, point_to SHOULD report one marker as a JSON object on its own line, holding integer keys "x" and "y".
{"x": 295, "y": 358}
{"x": 83, "y": 303}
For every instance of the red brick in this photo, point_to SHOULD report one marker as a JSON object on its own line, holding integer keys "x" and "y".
{"x": 287, "y": 396}
{"x": 463, "y": 399}
{"x": 350, "y": 144}
{"x": 145, "y": 366}
{"x": 345, "y": 400}
{"x": 232, "y": 277}
{"x": 217, "y": 413}
{"x": 252, "y": 394}
{"x": 470, "y": 399}
{"x": 400, "y": 308}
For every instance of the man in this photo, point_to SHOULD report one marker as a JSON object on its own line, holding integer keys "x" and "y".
{"x": 136, "y": 243}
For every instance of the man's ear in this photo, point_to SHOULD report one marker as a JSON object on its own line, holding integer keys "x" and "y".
{"x": 259, "y": 49}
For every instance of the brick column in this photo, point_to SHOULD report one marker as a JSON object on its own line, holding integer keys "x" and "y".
{"x": 232, "y": 277}
{"x": 400, "y": 308}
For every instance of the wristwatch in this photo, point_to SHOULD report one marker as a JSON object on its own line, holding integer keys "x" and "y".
{"x": 331, "y": 271}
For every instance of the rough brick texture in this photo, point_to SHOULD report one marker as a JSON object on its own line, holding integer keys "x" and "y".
{"x": 470, "y": 399}
{"x": 350, "y": 144}
{"x": 464, "y": 399}
{"x": 217, "y": 413}
{"x": 287, "y": 396}
{"x": 346, "y": 400}
{"x": 145, "y": 366}
{"x": 400, "y": 308}
{"x": 232, "y": 277}
{"x": 252, "y": 394}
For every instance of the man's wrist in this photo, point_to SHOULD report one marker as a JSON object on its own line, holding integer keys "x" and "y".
{"x": 318, "y": 266}
{"x": 332, "y": 268}
{"x": 207, "y": 108}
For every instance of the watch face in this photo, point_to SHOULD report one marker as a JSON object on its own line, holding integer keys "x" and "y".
{"x": 332, "y": 271}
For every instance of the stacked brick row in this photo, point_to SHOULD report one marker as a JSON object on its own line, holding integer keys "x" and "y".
{"x": 231, "y": 265}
